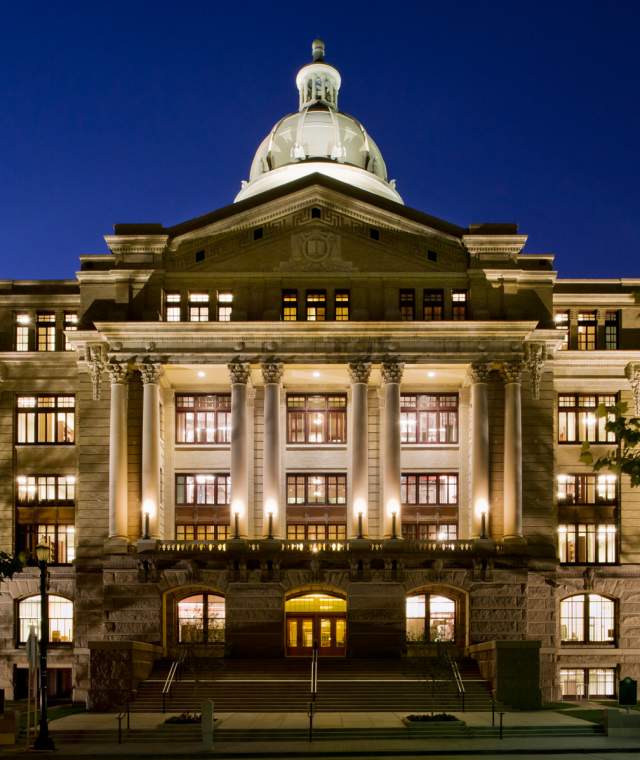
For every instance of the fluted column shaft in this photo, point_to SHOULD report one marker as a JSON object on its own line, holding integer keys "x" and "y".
{"x": 357, "y": 519}
{"x": 239, "y": 372}
{"x": 272, "y": 375}
{"x": 479, "y": 450}
{"x": 150, "y": 449}
{"x": 118, "y": 481}
{"x": 512, "y": 450}
{"x": 391, "y": 509}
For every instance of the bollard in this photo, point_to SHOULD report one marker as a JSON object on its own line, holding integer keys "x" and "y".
{"x": 120, "y": 717}
{"x": 501, "y": 716}
{"x": 206, "y": 710}
{"x": 311, "y": 708}
{"x": 128, "y": 712}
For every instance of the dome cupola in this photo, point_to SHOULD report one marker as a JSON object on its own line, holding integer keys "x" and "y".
{"x": 318, "y": 138}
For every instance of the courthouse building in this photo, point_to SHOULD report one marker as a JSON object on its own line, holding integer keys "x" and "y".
{"x": 319, "y": 415}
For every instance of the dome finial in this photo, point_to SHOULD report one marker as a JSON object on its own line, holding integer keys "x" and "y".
{"x": 317, "y": 50}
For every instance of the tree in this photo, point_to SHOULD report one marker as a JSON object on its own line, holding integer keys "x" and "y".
{"x": 625, "y": 458}
{"x": 10, "y": 565}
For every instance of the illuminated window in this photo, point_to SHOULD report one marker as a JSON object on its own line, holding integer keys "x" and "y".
{"x": 289, "y": 305}
{"x": 587, "y": 619}
{"x": 589, "y": 683}
{"x": 201, "y": 619}
{"x": 587, "y": 543}
{"x": 316, "y": 489}
{"x": 172, "y": 307}
{"x": 22, "y": 331}
{"x": 316, "y": 418}
{"x": 316, "y": 305}
{"x": 202, "y": 532}
{"x": 225, "y": 305}
{"x": 578, "y": 419}
{"x": 429, "y": 418}
{"x": 407, "y": 305}
{"x": 316, "y": 531}
{"x": 429, "y": 531}
{"x": 587, "y": 489}
{"x": 198, "y": 307}
{"x": 611, "y": 319}
{"x": 561, "y": 320}
{"x": 45, "y": 419}
{"x": 459, "y": 304}
{"x": 203, "y": 488}
{"x": 342, "y": 305}
{"x": 45, "y": 489}
{"x": 430, "y": 617}
{"x": 587, "y": 330}
{"x": 433, "y": 305}
{"x": 70, "y": 325}
{"x": 203, "y": 418}
{"x": 46, "y": 331}
{"x": 60, "y": 619}
{"x": 429, "y": 489}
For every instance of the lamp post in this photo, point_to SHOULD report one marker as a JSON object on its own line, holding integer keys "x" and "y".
{"x": 394, "y": 529}
{"x": 43, "y": 740}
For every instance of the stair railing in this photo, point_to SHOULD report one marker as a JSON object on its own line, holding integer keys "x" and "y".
{"x": 457, "y": 678}
{"x": 314, "y": 673}
{"x": 171, "y": 678}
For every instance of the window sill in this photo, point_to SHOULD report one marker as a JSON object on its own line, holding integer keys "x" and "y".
{"x": 202, "y": 446}
{"x": 589, "y": 644}
{"x": 317, "y": 446}
{"x": 430, "y": 446}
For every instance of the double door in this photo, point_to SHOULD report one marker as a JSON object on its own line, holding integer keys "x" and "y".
{"x": 328, "y": 630}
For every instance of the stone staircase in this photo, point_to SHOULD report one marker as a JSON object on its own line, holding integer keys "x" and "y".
{"x": 401, "y": 685}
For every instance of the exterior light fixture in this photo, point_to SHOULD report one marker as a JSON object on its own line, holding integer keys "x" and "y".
{"x": 201, "y": 373}
{"x": 360, "y": 507}
{"x": 271, "y": 508}
{"x": 315, "y": 373}
{"x": 431, "y": 373}
{"x": 43, "y": 740}
{"x": 147, "y": 509}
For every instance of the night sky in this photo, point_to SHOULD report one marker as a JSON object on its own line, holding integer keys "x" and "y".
{"x": 485, "y": 111}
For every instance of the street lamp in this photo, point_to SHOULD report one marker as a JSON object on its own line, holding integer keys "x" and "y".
{"x": 43, "y": 740}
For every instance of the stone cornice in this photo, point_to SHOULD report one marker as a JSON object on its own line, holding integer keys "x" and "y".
{"x": 593, "y": 298}
{"x": 115, "y": 275}
{"x": 491, "y": 247}
{"x": 122, "y": 244}
{"x": 36, "y": 300}
{"x": 520, "y": 276}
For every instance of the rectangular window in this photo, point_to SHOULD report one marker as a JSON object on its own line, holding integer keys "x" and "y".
{"x": 429, "y": 489}
{"x": 225, "y": 305}
{"x": 202, "y": 532}
{"x": 203, "y": 488}
{"x": 34, "y": 490}
{"x": 23, "y": 321}
{"x": 587, "y": 489}
{"x": 316, "y": 418}
{"x": 433, "y": 305}
{"x": 587, "y": 330}
{"x": 317, "y": 489}
{"x": 289, "y": 305}
{"x": 561, "y": 320}
{"x": 45, "y": 419}
{"x": 588, "y": 683}
{"x": 203, "y": 418}
{"x": 70, "y": 325}
{"x": 172, "y": 307}
{"x": 429, "y": 418}
{"x": 198, "y": 307}
{"x": 316, "y": 305}
{"x": 611, "y": 330}
{"x": 316, "y": 532}
{"x": 407, "y": 305}
{"x": 459, "y": 305}
{"x": 342, "y": 305}
{"x": 585, "y": 543}
{"x": 59, "y": 537}
{"x": 578, "y": 420}
{"x": 429, "y": 531}
{"x": 46, "y": 331}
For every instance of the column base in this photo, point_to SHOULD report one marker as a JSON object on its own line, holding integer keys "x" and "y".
{"x": 116, "y": 545}
{"x": 515, "y": 542}
{"x": 146, "y": 545}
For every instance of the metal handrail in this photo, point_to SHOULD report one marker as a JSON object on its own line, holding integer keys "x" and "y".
{"x": 171, "y": 677}
{"x": 457, "y": 678}
{"x": 314, "y": 673}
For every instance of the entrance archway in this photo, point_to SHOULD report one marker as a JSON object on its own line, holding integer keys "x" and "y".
{"x": 316, "y": 618}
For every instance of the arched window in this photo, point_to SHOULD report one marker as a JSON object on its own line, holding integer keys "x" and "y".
{"x": 587, "y": 619}
{"x": 60, "y": 619}
{"x": 430, "y": 617}
{"x": 201, "y": 619}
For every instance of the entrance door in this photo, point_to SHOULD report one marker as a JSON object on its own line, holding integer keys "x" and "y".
{"x": 316, "y": 618}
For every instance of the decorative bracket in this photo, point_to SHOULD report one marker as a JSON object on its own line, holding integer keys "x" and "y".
{"x": 96, "y": 360}
{"x": 632, "y": 371}
{"x": 535, "y": 358}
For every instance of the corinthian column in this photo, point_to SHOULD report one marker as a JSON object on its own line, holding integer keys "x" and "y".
{"x": 118, "y": 528}
{"x": 239, "y": 372}
{"x": 479, "y": 374}
{"x": 273, "y": 519}
{"x": 512, "y": 450}
{"x": 391, "y": 515}
{"x": 150, "y": 517}
{"x": 358, "y": 507}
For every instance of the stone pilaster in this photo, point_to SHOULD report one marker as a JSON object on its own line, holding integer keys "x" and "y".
{"x": 479, "y": 376}
{"x": 239, "y": 374}
{"x": 512, "y": 520}
{"x": 272, "y": 375}
{"x": 357, "y": 520}
{"x": 391, "y": 507}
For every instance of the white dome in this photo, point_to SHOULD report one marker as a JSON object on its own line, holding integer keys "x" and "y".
{"x": 318, "y": 138}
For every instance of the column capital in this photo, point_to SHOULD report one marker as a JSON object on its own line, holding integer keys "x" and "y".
{"x": 239, "y": 372}
{"x": 479, "y": 372}
{"x": 535, "y": 357}
{"x": 512, "y": 370}
{"x": 632, "y": 372}
{"x": 359, "y": 371}
{"x": 271, "y": 372}
{"x": 150, "y": 372}
{"x": 392, "y": 371}
{"x": 118, "y": 372}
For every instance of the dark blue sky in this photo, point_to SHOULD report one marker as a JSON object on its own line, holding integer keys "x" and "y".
{"x": 484, "y": 111}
